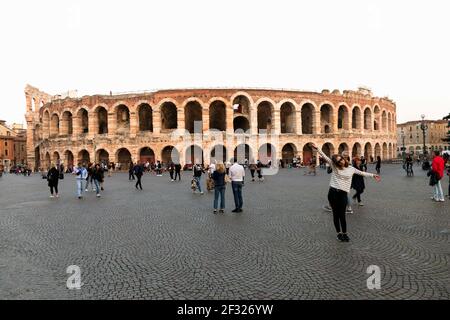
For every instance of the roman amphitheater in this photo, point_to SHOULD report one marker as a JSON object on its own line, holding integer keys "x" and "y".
{"x": 200, "y": 125}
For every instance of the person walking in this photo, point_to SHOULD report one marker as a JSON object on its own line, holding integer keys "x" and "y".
{"x": 437, "y": 168}
{"x": 358, "y": 182}
{"x": 53, "y": 178}
{"x": 158, "y": 169}
{"x": 138, "y": 170}
{"x": 177, "y": 172}
{"x": 198, "y": 171}
{"x": 131, "y": 172}
{"x": 90, "y": 169}
{"x": 219, "y": 187}
{"x": 237, "y": 174}
{"x": 82, "y": 175}
{"x": 378, "y": 165}
{"x": 340, "y": 184}
{"x": 259, "y": 166}
{"x": 97, "y": 178}
{"x": 171, "y": 170}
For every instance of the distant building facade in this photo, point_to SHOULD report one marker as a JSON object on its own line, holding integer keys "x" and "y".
{"x": 13, "y": 141}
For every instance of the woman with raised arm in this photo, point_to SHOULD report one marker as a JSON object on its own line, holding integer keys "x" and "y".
{"x": 340, "y": 183}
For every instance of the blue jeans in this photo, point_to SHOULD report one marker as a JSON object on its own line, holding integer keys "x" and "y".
{"x": 438, "y": 193}
{"x": 97, "y": 185}
{"x": 237, "y": 193}
{"x": 80, "y": 187}
{"x": 198, "y": 180}
{"x": 219, "y": 191}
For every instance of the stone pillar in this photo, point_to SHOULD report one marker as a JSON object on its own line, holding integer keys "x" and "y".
{"x": 180, "y": 118}
{"x": 316, "y": 126}
{"x": 76, "y": 125}
{"x": 134, "y": 125}
{"x": 92, "y": 127}
{"x": 157, "y": 121}
{"x": 334, "y": 121}
{"x": 229, "y": 117}
{"x": 205, "y": 119}
{"x": 276, "y": 122}
{"x": 112, "y": 123}
{"x": 30, "y": 142}
{"x": 298, "y": 122}
{"x": 253, "y": 120}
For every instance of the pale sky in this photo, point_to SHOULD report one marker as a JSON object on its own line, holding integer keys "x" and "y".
{"x": 399, "y": 49}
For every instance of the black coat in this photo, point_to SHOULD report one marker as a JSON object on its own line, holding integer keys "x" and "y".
{"x": 358, "y": 182}
{"x": 53, "y": 176}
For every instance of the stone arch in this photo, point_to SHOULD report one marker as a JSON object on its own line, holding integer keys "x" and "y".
{"x": 265, "y": 110}
{"x": 328, "y": 149}
{"x": 367, "y": 119}
{"x": 48, "y": 161}
{"x": 377, "y": 118}
{"x": 241, "y": 105}
{"x": 68, "y": 159}
{"x": 123, "y": 118}
{"x": 242, "y": 152}
{"x": 307, "y": 154}
{"x": 33, "y": 104}
{"x": 54, "y": 125}
{"x": 56, "y": 158}
{"x": 241, "y": 123}
{"x": 384, "y": 125}
{"x": 356, "y": 118}
{"x": 83, "y": 120}
{"x": 46, "y": 123}
{"x": 37, "y": 132}
{"x": 67, "y": 123}
{"x": 288, "y": 153}
{"x": 147, "y": 154}
{"x": 343, "y": 147}
{"x": 145, "y": 117}
{"x": 377, "y": 150}
{"x": 123, "y": 156}
{"x": 169, "y": 116}
{"x": 343, "y": 118}
{"x": 194, "y": 155}
{"x": 356, "y": 150}
{"x": 390, "y": 151}
{"x": 385, "y": 151}
{"x": 101, "y": 116}
{"x": 267, "y": 152}
{"x": 287, "y": 117}
{"x": 368, "y": 150}
{"x": 102, "y": 156}
{"x": 389, "y": 122}
{"x": 308, "y": 114}
{"x": 219, "y": 153}
{"x": 170, "y": 153}
{"x": 84, "y": 157}
{"x": 192, "y": 114}
{"x": 326, "y": 118}
{"x": 218, "y": 115}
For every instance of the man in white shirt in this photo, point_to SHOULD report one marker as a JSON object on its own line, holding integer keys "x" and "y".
{"x": 237, "y": 174}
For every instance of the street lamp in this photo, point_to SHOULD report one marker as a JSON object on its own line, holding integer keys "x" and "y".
{"x": 424, "y": 128}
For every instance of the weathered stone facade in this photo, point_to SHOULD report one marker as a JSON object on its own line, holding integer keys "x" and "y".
{"x": 142, "y": 126}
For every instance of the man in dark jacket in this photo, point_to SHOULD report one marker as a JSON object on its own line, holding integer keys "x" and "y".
{"x": 138, "y": 171}
{"x": 53, "y": 178}
{"x": 178, "y": 172}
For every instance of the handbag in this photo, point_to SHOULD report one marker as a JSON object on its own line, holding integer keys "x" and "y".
{"x": 227, "y": 179}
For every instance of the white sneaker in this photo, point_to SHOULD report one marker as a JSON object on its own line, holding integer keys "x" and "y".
{"x": 349, "y": 210}
{"x": 360, "y": 204}
{"x": 57, "y": 195}
{"x": 52, "y": 196}
{"x": 86, "y": 190}
{"x": 98, "y": 195}
{"x": 441, "y": 200}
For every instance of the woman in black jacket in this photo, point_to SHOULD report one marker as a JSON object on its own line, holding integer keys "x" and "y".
{"x": 219, "y": 187}
{"x": 358, "y": 181}
{"x": 53, "y": 178}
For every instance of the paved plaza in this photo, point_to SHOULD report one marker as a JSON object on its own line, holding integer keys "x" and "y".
{"x": 165, "y": 243}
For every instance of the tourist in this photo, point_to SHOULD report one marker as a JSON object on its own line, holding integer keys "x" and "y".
{"x": 110, "y": 169}
{"x": 253, "y": 169}
{"x": 218, "y": 177}
{"x": 53, "y": 178}
{"x": 237, "y": 174}
{"x": 378, "y": 165}
{"x": 437, "y": 169}
{"x": 259, "y": 166}
{"x": 363, "y": 163}
{"x": 358, "y": 182}
{"x": 82, "y": 175}
{"x": 198, "y": 171}
{"x": 171, "y": 170}
{"x": 227, "y": 167}
{"x": 97, "y": 178}
{"x": 340, "y": 184}
{"x": 131, "y": 172}
{"x": 158, "y": 169}
{"x": 138, "y": 170}
{"x": 177, "y": 172}
{"x": 90, "y": 170}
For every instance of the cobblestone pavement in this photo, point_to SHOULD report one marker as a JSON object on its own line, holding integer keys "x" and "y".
{"x": 165, "y": 243}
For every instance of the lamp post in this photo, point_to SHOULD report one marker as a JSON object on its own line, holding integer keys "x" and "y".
{"x": 424, "y": 128}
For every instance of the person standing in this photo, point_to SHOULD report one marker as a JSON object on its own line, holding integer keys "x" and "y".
{"x": 253, "y": 168}
{"x": 198, "y": 171}
{"x": 82, "y": 175}
{"x": 219, "y": 187}
{"x": 171, "y": 170}
{"x": 340, "y": 184}
{"x": 53, "y": 178}
{"x": 138, "y": 170}
{"x": 237, "y": 174}
{"x": 378, "y": 165}
{"x": 97, "y": 178}
{"x": 90, "y": 170}
{"x": 358, "y": 182}
{"x": 178, "y": 172}
{"x": 437, "y": 168}
{"x": 259, "y": 166}
{"x": 131, "y": 172}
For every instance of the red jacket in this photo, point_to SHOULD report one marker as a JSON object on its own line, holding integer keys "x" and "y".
{"x": 438, "y": 166}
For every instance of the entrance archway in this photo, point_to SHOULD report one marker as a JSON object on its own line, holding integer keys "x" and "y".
{"x": 287, "y": 117}
{"x": 170, "y": 154}
{"x": 102, "y": 156}
{"x": 266, "y": 153}
{"x": 356, "y": 151}
{"x": 307, "y": 118}
{"x": 192, "y": 114}
{"x": 307, "y": 154}
{"x": 328, "y": 149}
{"x": 219, "y": 154}
{"x": 288, "y": 152}
{"x": 168, "y": 116}
{"x": 194, "y": 155}
{"x": 241, "y": 123}
{"x": 145, "y": 113}
{"x": 265, "y": 116}
{"x": 147, "y": 154}
{"x": 217, "y": 116}
{"x": 84, "y": 157}
{"x": 242, "y": 152}
{"x": 124, "y": 158}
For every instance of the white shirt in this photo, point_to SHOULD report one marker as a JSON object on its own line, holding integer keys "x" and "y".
{"x": 237, "y": 172}
{"x": 212, "y": 168}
